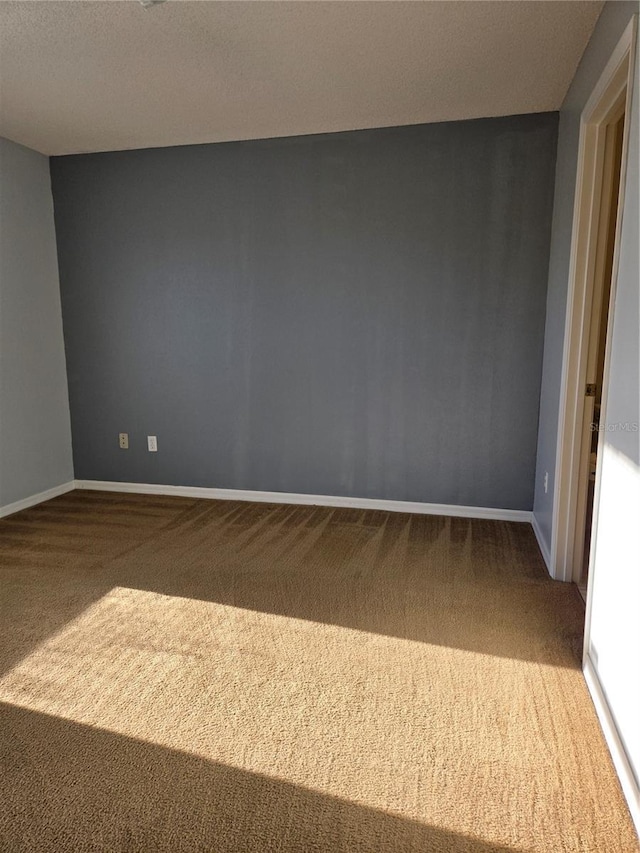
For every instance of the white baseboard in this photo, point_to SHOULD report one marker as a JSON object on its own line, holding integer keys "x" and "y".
{"x": 25, "y": 503}
{"x": 313, "y": 500}
{"x": 621, "y": 763}
{"x": 544, "y": 548}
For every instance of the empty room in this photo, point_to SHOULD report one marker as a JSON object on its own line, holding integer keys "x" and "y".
{"x": 319, "y": 426}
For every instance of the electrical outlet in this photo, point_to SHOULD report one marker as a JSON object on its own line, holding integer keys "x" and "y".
{"x": 546, "y": 482}
{"x": 123, "y": 440}
{"x": 152, "y": 443}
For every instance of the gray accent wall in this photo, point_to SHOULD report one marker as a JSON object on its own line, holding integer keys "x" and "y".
{"x": 35, "y": 432}
{"x": 356, "y": 314}
{"x": 611, "y": 24}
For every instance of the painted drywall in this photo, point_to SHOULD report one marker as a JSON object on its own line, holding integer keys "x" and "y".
{"x": 614, "y": 638}
{"x": 35, "y": 432}
{"x": 611, "y": 24}
{"x": 357, "y": 314}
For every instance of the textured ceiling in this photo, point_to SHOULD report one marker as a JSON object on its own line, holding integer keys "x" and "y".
{"x": 96, "y": 76}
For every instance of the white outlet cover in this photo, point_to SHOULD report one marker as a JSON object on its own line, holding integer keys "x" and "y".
{"x": 152, "y": 443}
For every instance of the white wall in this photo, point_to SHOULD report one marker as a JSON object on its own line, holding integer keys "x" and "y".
{"x": 614, "y": 639}
{"x": 35, "y": 431}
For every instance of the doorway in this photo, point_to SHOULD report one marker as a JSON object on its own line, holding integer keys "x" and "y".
{"x": 592, "y": 281}
{"x": 597, "y": 341}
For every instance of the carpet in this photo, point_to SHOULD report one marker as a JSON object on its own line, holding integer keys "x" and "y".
{"x": 189, "y": 675}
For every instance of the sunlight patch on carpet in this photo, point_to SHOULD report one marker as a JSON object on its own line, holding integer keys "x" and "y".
{"x": 381, "y": 721}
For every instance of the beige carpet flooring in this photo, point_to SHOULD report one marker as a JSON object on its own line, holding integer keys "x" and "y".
{"x": 184, "y": 675}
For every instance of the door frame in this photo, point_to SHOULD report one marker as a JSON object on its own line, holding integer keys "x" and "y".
{"x": 569, "y": 485}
